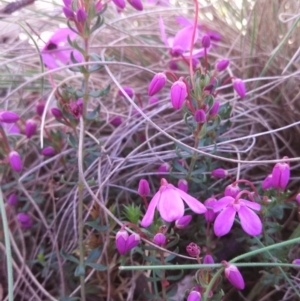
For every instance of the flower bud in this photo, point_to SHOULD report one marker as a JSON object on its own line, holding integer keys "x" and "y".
{"x": 48, "y": 151}
{"x": 15, "y": 161}
{"x": 76, "y": 108}
{"x": 57, "y": 113}
{"x": 194, "y": 296}
{"x": 30, "y": 128}
{"x": 183, "y": 185}
{"x": 193, "y": 250}
{"x": 208, "y": 259}
{"x": 178, "y": 94}
{"x": 200, "y": 116}
{"x": 69, "y": 14}
{"x": 234, "y": 276}
{"x": 40, "y": 108}
{"x": 24, "y": 220}
{"x": 144, "y": 188}
{"x": 128, "y": 90}
{"x": 205, "y": 41}
{"x": 67, "y": 3}
{"x": 219, "y": 173}
{"x": 222, "y": 64}
{"x": 153, "y": 100}
{"x": 119, "y": 3}
{"x": 214, "y": 36}
{"x": 281, "y": 175}
{"x": 137, "y": 4}
{"x": 164, "y": 168}
{"x": 116, "y": 121}
{"x": 232, "y": 190}
{"x": 121, "y": 239}
{"x": 214, "y": 109}
{"x": 183, "y": 221}
{"x": 12, "y": 200}
{"x": 81, "y": 15}
{"x": 267, "y": 183}
{"x": 132, "y": 241}
{"x": 159, "y": 239}
{"x": 239, "y": 87}
{"x": 157, "y": 83}
{"x": 8, "y": 117}
{"x": 210, "y": 215}
{"x": 296, "y": 261}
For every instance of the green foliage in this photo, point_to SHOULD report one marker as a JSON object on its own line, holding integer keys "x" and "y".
{"x": 132, "y": 213}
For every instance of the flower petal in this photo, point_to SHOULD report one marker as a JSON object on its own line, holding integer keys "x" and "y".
{"x": 163, "y": 32}
{"x": 148, "y": 217}
{"x": 252, "y": 205}
{"x": 170, "y": 205}
{"x": 222, "y": 203}
{"x": 224, "y": 221}
{"x": 250, "y": 222}
{"x": 49, "y": 60}
{"x": 197, "y": 53}
{"x": 184, "y": 37}
{"x": 193, "y": 203}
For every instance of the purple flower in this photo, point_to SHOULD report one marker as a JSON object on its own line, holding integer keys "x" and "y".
{"x": 178, "y": 94}
{"x": 116, "y": 121}
{"x": 208, "y": 259}
{"x": 40, "y": 108}
{"x": 10, "y": 128}
{"x": 24, "y": 220}
{"x": 214, "y": 36}
{"x": 183, "y": 221}
{"x": 129, "y": 91}
{"x": 205, "y": 41}
{"x": 267, "y": 183}
{"x": 159, "y": 239}
{"x": 57, "y": 49}
{"x": 76, "y": 108}
{"x": 48, "y": 151}
{"x": 15, "y": 161}
{"x": 81, "y": 15}
{"x": 219, "y": 173}
{"x": 180, "y": 44}
{"x": 222, "y": 64}
{"x": 125, "y": 242}
{"x": 183, "y": 185}
{"x": 234, "y": 276}
{"x": 239, "y": 87}
{"x": 214, "y": 109}
{"x": 164, "y": 168}
{"x": 153, "y": 100}
{"x": 157, "y": 83}
{"x": 137, "y": 4}
{"x": 57, "y": 113}
{"x": 229, "y": 206}
{"x": 119, "y": 3}
{"x": 296, "y": 261}
{"x": 210, "y": 215}
{"x": 9, "y": 117}
{"x": 232, "y": 190}
{"x": 200, "y": 116}
{"x": 144, "y": 188}
{"x": 194, "y": 296}
{"x": 281, "y": 175}
{"x": 169, "y": 203}
{"x": 68, "y": 12}
{"x": 30, "y": 128}
{"x": 12, "y": 200}
{"x": 193, "y": 250}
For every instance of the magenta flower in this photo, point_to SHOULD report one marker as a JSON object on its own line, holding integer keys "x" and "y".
{"x": 9, "y": 117}
{"x": 222, "y": 64}
{"x": 125, "y": 242}
{"x": 57, "y": 49}
{"x": 281, "y": 175}
{"x": 10, "y": 128}
{"x": 40, "y": 107}
{"x": 119, "y": 3}
{"x": 183, "y": 185}
{"x": 200, "y": 116}
{"x": 24, "y": 220}
{"x": 137, "y": 4}
{"x": 267, "y": 183}
{"x": 210, "y": 215}
{"x": 164, "y": 168}
{"x": 30, "y": 128}
{"x": 144, "y": 188}
{"x": 208, "y": 259}
{"x": 219, "y": 173}
{"x": 239, "y": 87}
{"x": 205, "y": 41}
{"x": 116, "y": 121}
{"x": 180, "y": 44}
{"x": 178, "y": 94}
{"x": 57, "y": 113}
{"x": 169, "y": 203}
{"x": 229, "y": 206}
{"x": 157, "y": 83}
{"x": 232, "y": 190}
{"x": 234, "y": 276}
{"x": 12, "y": 200}
{"x": 128, "y": 90}
{"x": 159, "y": 239}
{"x": 194, "y": 296}
{"x": 214, "y": 109}
{"x": 48, "y": 151}
{"x": 81, "y": 15}
{"x": 183, "y": 221}
{"x": 296, "y": 261}
{"x": 15, "y": 161}
{"x": 193, "y": 249}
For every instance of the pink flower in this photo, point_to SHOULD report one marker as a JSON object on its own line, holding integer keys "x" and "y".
{"x": 128, "y": 90}
{"x": 214, "y": 109}
{"x": 159, "y": 239}
{"x": 183, "y": 221}
{"x": 194, "y": 296}
{"x": 234, "y": 276}
{"x": 281, "y": 175}
{"x": 125, "y": 242}
{"x": 239, "y": 87}
{"x": 119, "y": 3}
{"x": 157, "y": 83}
{"x": 169, "y": 203}
{"x": 229, "y": 206}
{"x": 15, "y": 161}
{"x": 180, "y": 44}
{"x": 9, "y": 117}
{"x": 137, "y": 4}
{"x": 30, "y": 128}
{"x": 57, "y": 49}
{"x": 193, "y": 249}
{"x": 232, "y": 190}
{"x": 183, "y": 185}
{"x": 143, "y": 189}
{"x": 208, "y": 259}
{"x": 178, "y": 94}
{"x": 267, "y": 183}
{"x": 222, "y": 64}
{"x": 219, "y": 173}
{"x": 210, "y": 215}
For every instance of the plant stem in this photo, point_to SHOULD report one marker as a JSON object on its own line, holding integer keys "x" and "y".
{"x": 163, "y": 274}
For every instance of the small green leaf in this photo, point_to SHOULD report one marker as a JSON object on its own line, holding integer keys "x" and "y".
{"x": 72, "y": 140}
{"x": 98, "y": 24}
{"x": 94, "y": 255}
{"x": 94, "y": 115}
{"x": 69, "y": 257}
{"x": 95, "y": 225}
{"x": 80, "y": 271}
{"x": 97, "y": 266}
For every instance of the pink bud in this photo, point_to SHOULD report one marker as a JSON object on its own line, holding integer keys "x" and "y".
{"x": 214, "y": 36}
{"x": 178, "y": 94}
{"x": 57, "y": 113}
{"x": 234, "y": 276}
{"x": 194, "y": 296}
{"x": 81, "y": 15}
{"x": 208, "y": 259}
{"x": 15, "y": 161}
{"x": 267, "y": 183}
{"x": 69, "y": 14}
{"x": 239, "y": 87}
{"x": 281, "y": 175}
{"x": 129, "y": 91}
{"x": 133, "y": 241}
{"x": 200, "y": 116}
{"x": 159, "y": 239}
{"x": 119, "y": 3}
{"x": 40, "y": 108}
{"x": 157, "y": 83}
{"x": 48, "y": 151}
{"x": 183, "y": 221}
{"x": 144, "y": 188}
{"x": 210, "y": 215}
{"x": 232, "y": 190}
{"x": 183, "y": 185}
{"x": 137, "y": 4}
{"x": 8, "y": 117}
{"x": 30, "y": 128}
{"x": 222, "y": 64}
{"x": 116, "y": 121}
{"x": 205, "y": 41}
{"x": 296, "y": 261}
{"x": 76, "y": 109}
{"x": 164, "y": 168}
{"x": 12, "y": 200}
{"x": 24, "y": 220}
{"x": 67, "y": 3}
{"x": 193, "y": 250}
{"x": 219, "y": 173}
{"x": 121, "y": 239}
{"x": 214, "y": 109}
{"x": 153, "y": 100}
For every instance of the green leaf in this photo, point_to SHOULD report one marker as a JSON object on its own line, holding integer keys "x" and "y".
{"x": 94, "y": 255}
{"x": 175, "y": 277}
{"x": 98, "y": 24}
{"x": 69, "y": 257}
{"x": 95, "y": 225}
{"x": 132, "y": 213}
{"x": 97, "y": 266}
{"x": 94, "y": 115}
{"x": 80, "y": 271}
{"x": 72, "y": 140}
